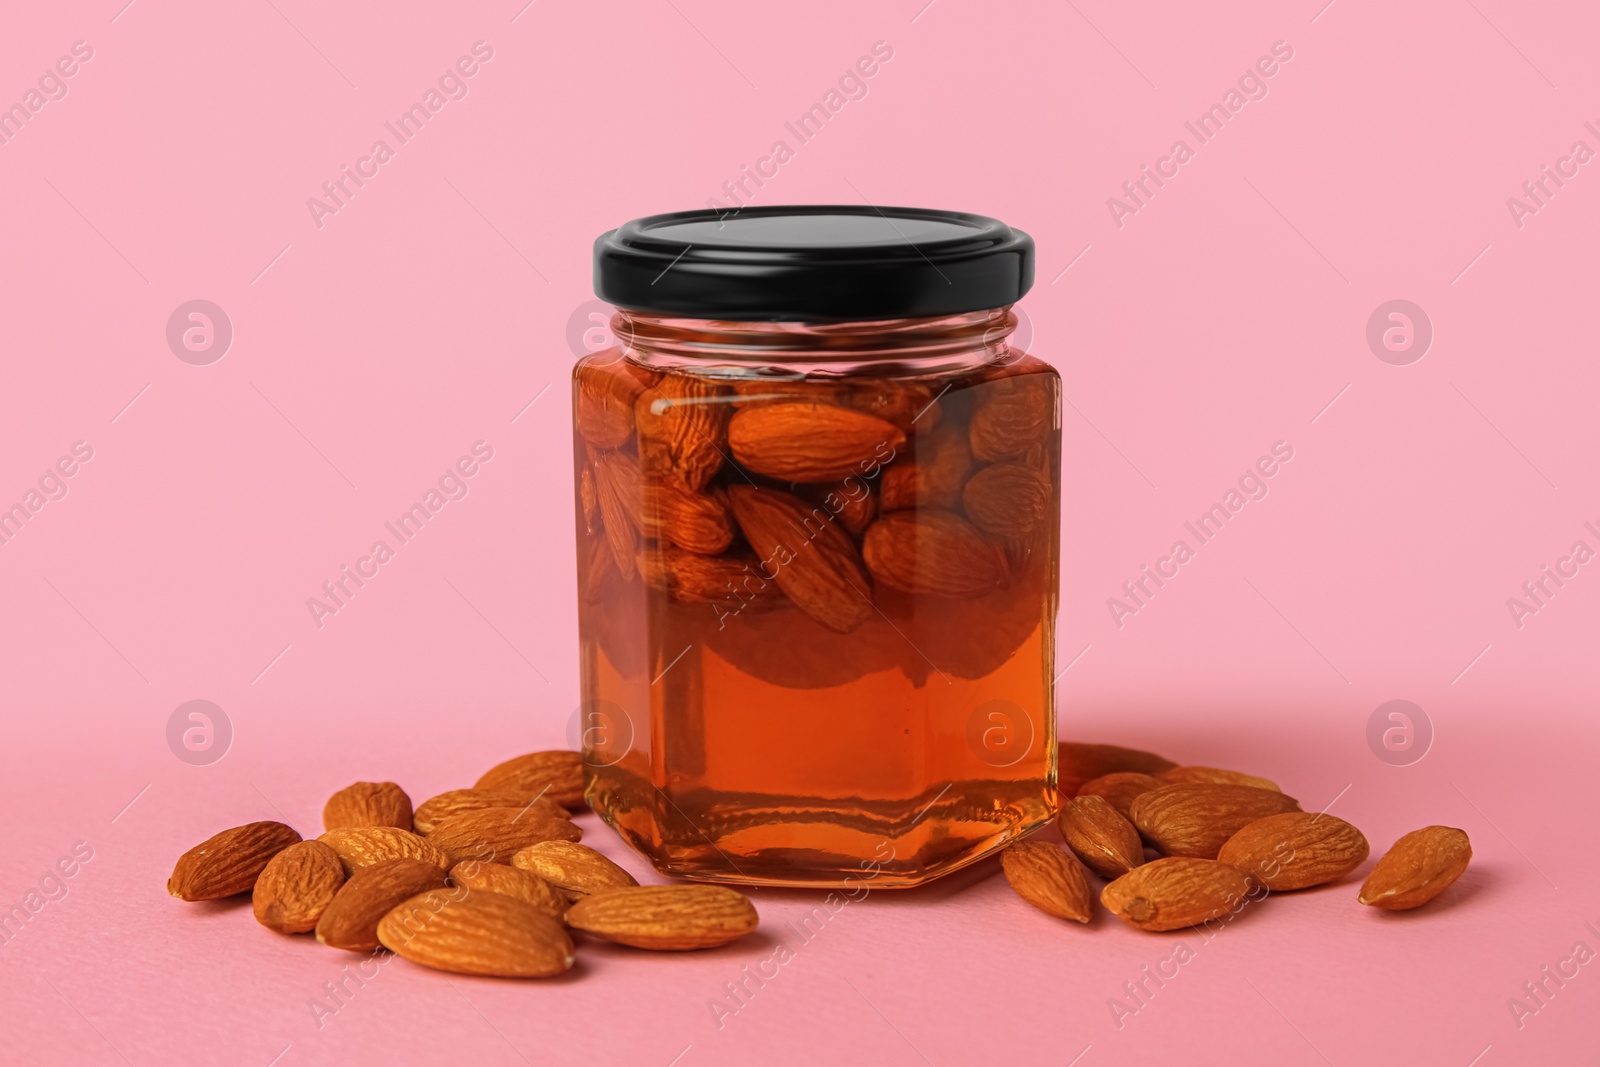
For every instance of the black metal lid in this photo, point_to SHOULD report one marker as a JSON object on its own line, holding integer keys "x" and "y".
{"x": 813, "y": 262}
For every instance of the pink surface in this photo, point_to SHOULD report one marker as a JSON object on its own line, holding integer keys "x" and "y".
{"x": 1227, "y": 313}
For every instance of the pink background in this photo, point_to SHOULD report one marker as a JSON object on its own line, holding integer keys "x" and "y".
{"x": 1227, "y": 314}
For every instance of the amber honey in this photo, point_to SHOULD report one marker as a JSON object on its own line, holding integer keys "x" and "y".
{"x": 817, "y": 588}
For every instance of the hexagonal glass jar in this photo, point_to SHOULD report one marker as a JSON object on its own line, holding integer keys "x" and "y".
{"x": 817, "y": 557}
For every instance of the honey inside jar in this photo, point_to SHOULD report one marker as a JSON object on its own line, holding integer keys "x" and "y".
{"x": 817, "y": 578}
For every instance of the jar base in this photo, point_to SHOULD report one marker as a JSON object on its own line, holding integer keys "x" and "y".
{"x": 748, "y": 839}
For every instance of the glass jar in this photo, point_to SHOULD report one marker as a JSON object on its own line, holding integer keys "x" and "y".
{"x": 818, "y": 513}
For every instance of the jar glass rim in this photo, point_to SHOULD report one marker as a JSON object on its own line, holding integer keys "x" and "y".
{"x": 969, "y": 338}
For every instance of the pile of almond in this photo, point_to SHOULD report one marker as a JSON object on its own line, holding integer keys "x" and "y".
{"x": 492, "y": 880}
{"x": 1223, "y": 839}
{"x": 488, "y": 881}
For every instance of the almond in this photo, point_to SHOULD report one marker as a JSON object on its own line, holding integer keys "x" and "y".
{"x": 1007, "y": 501}
{"x": 296, "y": 886}
{"x": 807, "y": 442}
{"x": 556, "y": 774}
{"x": 350, "y": 921}
{"x": 229, "y": 862}
{"x": 511, "y": 881}
{"x": 479, "y": 933}
{"x": 607, "y": 387}
{"x": 599, "y": 567}
{"x": 933, "y": 476}
{"x": 1015, "y": 416}
{"x": 811, "y": 559}
{"x": 934, "y": 552}
{"x": 1100, "y": 835}
{"x": 368, "y": 804}
{"x": 1119, "y": 788}
{"x": 1170, "y": 894}
{"x": 1215, "y": 776}
{"x": 362, "y": 846}
{"x": 856, "y": 512}
{"x": 575, "y": 869}
{"x": 434, "y": 810}
{"x": 1296, "y": 850}
{"x": 617, "y": 486}
{"x": 1080, "y": 762}
{"x": 682, "y": 425}
{"x": 1049, "y": 878}
{"x": 853, "y": 502}
{"x": 699, "y": 522}
{"x": 665, "y": 917}
{"x": 493, "y": 835}
{"x": 906, "y": 404}
{"x": 588, "y": 503}
{"x": 697, "y": 579}
{"x": 1196, "y": 819}
{"x": 1417, "y": 868}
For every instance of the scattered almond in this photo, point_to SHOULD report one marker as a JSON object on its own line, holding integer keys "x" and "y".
{"x": 511, "y": 881}
{"x": 1081, "y": 762}
{"x": 1049, "y": 878}
{"x": 1100, "y": 835}
{"x": 493, "y": 835}
{"x": 555, "y": 774}
{"x": 477, "y": 933}
{"x": 362, "y": 846}
{"x": 1197, "y": 819}
{"x": 1173, "y": 893}
{"x": 296, "y": 886}
{"x": 434, "y": 810}
{"x": 1296, "y": 850}
{"x": 1417, "y": 868}
{"x": 1119, "y": 788}
{"x": 350, "y": 921}
{"x": 665, "y": 916}
{"x": 229, "y": 862}
{"x": 367, "y": 804}
{"x": 517, "y": 871}
{"x": 576, "y": 869}
{"x": 1214, "y": 776}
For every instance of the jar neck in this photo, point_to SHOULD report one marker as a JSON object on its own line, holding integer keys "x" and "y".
{"x": 921, "y": 345}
